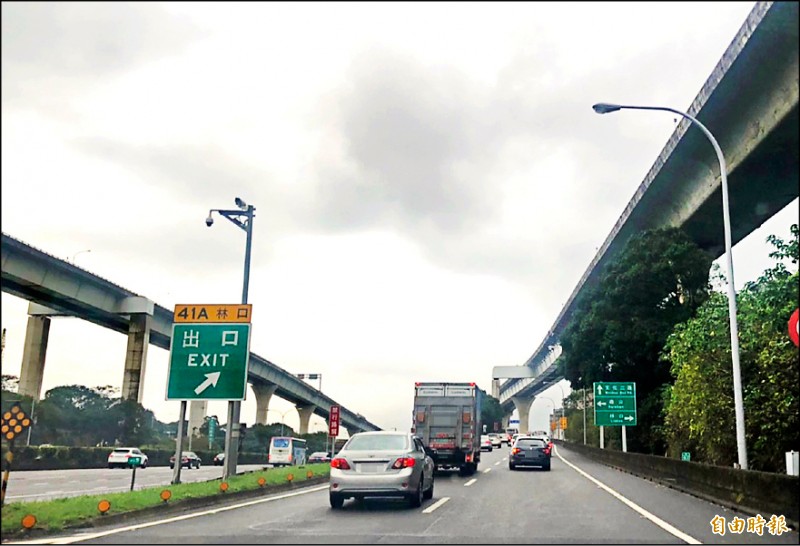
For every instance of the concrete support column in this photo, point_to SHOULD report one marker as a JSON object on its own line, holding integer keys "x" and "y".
{"x": 506, "y": 419}
{"x": 496, "y": 388}
{"x": 136, "y": 357}
{"x": 305, "y": 417}
{"x": 523, "y": 405}
{"x": 263, "y": 392}
{"x": 33, "y": 356}
{"x": 197, "y": 414}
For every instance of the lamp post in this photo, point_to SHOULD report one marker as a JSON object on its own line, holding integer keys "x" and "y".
{"x": 603, "y": 108}
{"x": 80, "y": 252}
{"x": 282, "y": 414}
{"x": 242, "y": 218}
{"x": 549, "y": 400}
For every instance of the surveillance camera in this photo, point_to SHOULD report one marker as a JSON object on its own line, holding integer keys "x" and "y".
{"x": 209, "y": 221}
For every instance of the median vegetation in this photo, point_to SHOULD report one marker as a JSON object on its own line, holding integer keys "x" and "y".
{"x": 60, "y": 514}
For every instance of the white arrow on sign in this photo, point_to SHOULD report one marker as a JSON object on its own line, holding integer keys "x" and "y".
{"x": 599, "y": 389}
{"x": 211, "y": 381}
{"x": 601, "y": 404}
{"x": 629, "y": 418}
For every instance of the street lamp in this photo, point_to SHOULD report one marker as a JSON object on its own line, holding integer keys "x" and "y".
{"x": 242, "y": 218}
{"x": 604, "y": 108}
{"x": 282, "y": 414}
{"x": 80, "y": 252}
{"x": 549, "y": 400}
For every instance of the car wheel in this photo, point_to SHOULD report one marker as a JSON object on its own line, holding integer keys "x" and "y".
{"x": 111, "y": 466}
{"x": 198, "y": 465}
{"x": 144, "y": 465}
{"x": 547, "y": 467}
{"x": 512, "y": 466}
{"x": 429, "y": 493}
{"x": 172, "y": 467}
{"x": 337, "y": 501}
{"x": 415, "y": 500}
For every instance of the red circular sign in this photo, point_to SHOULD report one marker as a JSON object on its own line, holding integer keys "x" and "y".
{"x": 794, "y": 332}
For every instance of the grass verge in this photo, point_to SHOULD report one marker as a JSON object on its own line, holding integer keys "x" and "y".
{"x": 59, "y": 514}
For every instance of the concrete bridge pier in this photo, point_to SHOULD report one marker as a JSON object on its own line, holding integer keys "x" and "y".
{"x": 305, "y": 413}
{"x": 33, "y": 356}
{"x": 197, "y": 415}
{"x": 136, "y": 357}
{"x": 523, "y": 405}
{"x": 263, "y": 392}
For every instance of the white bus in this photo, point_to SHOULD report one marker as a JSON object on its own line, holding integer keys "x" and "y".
{"x": 286, "y": 451}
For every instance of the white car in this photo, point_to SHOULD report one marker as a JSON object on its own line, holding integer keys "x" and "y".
{"x": 486, "y": 443}
{"x": 496, "y": 441}
{"x": 119, "y": 457}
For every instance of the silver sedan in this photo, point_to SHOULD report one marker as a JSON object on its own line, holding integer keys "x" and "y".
{"x": 382, "y": 464}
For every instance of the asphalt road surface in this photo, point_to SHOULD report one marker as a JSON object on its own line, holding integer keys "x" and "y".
{"x": 35, "y": 485}
{"x": 578, "y": 501}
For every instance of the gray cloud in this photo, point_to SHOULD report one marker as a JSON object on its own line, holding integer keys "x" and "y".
{"x": 52, "y": 51}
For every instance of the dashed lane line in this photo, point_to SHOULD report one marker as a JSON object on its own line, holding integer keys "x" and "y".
{"x": 436, "y": 505}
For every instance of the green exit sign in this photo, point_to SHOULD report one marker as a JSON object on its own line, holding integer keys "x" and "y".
{"x": 615, "y": 404}
{"x": 208, "y": 361}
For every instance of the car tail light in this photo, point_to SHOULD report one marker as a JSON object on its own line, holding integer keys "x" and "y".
{"x": 404, "y": 462}
{"x": 546, "y": 451}
{"x": 341, "y": 464}
{"x": 515, "y": 451}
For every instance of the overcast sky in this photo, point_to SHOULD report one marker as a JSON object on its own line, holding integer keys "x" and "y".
{"x": 430, "y": 180}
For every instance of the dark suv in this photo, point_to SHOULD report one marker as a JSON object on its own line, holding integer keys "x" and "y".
{"x": 529, "y": 451}
{"x": 188, "y": 459}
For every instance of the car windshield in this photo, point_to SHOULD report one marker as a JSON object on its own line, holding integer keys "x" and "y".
{"x": 122, "y": 451}
{"x": 369, "y": 442}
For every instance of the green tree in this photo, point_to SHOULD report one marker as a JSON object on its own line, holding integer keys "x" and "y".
{"x": 699, "y": 409}
{"x": 621, "y": 323}
{"x": 491, "y": 413}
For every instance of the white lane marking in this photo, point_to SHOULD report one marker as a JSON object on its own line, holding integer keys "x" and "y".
{"x": 652, "y": 517}
{"x": 91, "y": 536}
{"x": 473, "y": 480}
{"x": 497, "y": 463}
{"x": 487, "y": 470}
{"x": 436, "y": 505}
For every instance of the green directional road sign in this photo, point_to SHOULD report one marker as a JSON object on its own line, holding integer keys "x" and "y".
{"x": 614, "y": 404}
{"x": 208, "y": 361}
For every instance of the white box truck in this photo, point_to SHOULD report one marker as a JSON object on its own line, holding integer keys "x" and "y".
{"x": 447, "y": 417}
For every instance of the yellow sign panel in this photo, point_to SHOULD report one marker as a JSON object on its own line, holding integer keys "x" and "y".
{"x": 199, "y": 313}
{"x": 563, "y": 423}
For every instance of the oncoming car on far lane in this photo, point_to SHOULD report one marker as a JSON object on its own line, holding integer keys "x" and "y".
{"x": 119, "y": 457}
{"x": 320, "y": 457}
{"x": 382, "y": 464}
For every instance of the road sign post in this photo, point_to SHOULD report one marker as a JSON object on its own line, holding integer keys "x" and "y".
{"x": 615, "y": 404}
{"x": 209, "y": 355}
{"x": 333, "y": 426}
